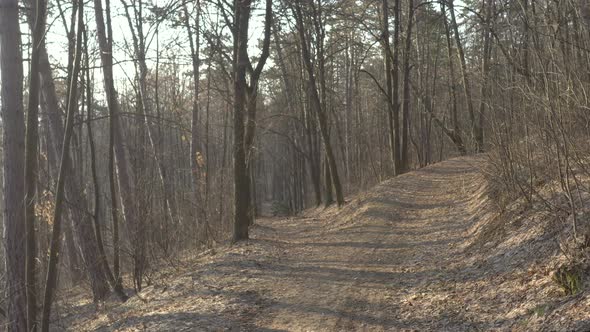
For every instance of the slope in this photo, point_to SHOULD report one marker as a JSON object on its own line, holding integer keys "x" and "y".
{"x": 409, "y": 255}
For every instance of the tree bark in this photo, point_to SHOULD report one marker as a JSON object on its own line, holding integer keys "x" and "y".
{"x": 388, "y": 56}
{"x": 195, "y": 47}
{"x": 113, "y": 280}
{"x": 245, "y": 97}
{"x": 395, "y": 82}
{"x": 31, "y": 166}
{"x": 241, "y": 180}
{"x": 485, "y": 66}
{"x": 72, "y": 105}
{"x": 406, "y": 106}
{"x": 13, "y": 140}
{"x": 458, "y": 141}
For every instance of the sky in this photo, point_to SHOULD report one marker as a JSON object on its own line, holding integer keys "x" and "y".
{"x": 172, "y": 41}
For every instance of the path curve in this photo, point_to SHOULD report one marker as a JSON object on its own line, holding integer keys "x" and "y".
{"x": 372, "y": 271}
{"x": 410, "y": 254}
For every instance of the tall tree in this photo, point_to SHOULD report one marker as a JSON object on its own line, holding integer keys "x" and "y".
{"x": 485, "y": 69}
{"x": 245, "y": 97}
{"x": 74, "y": 190}
{"x": 405, "y": 158}
{"x": 290, "y": 90}
{"x": 140, "y": 49}
{"x": 464, "y": 75}
{"x": 103, "y": 262}
{"x": 124, "y": 171}
{"x": 195, "y": 48}
{"x": 457, "y": 138}
{"x": 31, "y": 165}
{"x": 72, "y": 105}
{"x": 395, "y": 82}
{"x": 391, "y": 108}
{"x": 13, "y": 143}
{"x": 316, "y": 102}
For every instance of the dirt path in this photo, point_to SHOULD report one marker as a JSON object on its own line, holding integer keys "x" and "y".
{"x": 370, "y": 273}
{"x": 392, "y": 259}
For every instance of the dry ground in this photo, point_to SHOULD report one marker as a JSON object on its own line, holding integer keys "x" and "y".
{"x": 421, "y": 252}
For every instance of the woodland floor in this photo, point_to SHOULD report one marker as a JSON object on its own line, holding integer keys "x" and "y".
{"x": 408, "y": 255}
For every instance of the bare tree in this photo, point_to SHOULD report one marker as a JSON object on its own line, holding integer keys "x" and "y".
{"x": 135, "y": 23}
{"x": 126, "y": 180}
{"x": 395, "y": 82}
{"x": 456, "y": 127}
{"x": 195, "y": 48}
{"x": 245, "y": 96}
{"x": 72, "y": 105}
{"x": 388, "y": 57}
{"x": 31, "y": 165}
{"x": 316, "y": 103}
{"x": 405, "y": 161}
{"x": 464, "y": 75}
{"x": 485, "y": 70}
{"x": 13, "y": 142}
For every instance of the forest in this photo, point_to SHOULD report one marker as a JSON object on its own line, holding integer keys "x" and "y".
{"x": 287, "y": 141}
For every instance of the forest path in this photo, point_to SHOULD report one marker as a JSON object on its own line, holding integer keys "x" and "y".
{"x": 392, "y": 259}
{"x": 378, "y": 270}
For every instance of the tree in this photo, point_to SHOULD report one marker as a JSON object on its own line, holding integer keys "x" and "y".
{"x": 195, "y": 48}
{"x": 126, "y": 185}
{"x": 13, "y": 142}
{"x": 457, "y": 138}
{"x": 405, "y": 161}
{"x": 245, "y": 97}
{"x": 316, "y": 102}
{"x": 485, "y": 70}
{"x": 98, "y": 274}
{"x": 31, "y": 166}
{"x": 290, "y": 90}
{"x": 241, "y": 183}
{"x": 395, "y": 82}
{"x": 72, "y": 105}
{"x": 465, "y": 76}
{"x": 391, "y": 104}
{"x": 135, "y": 23}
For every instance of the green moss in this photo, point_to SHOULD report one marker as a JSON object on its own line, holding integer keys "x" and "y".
{"x": 539, "y": 310}
{"x": 569, "y": 279}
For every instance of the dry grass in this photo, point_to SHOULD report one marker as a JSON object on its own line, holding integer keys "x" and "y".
{"x": 427, "y": 251}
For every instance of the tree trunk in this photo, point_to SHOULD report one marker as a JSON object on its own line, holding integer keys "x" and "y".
{"x": 395, "y": 82}
{"x": 406, "y": 106}
{"x": 125, "y": 176}
{"x": 83, "y": 229}
{"x": 388, "y": 56}
{"x": 13, "y": 140}
{"x": 306, "y": 136}
{"x": 317, "y": 105}
{"x": 195, "y": 47}
{"x": 72, "y": 105}
{"x": 241, "y": 181}
{"x": 114, "y": 280}
{"x": 146, "y": 102}
{"x": 245, "y": 97}
{"x": 452, "y": 86}
{"x": 487, "y": 54}
{"x": 31, "y": 166}
{"x": 466, "y": 82}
